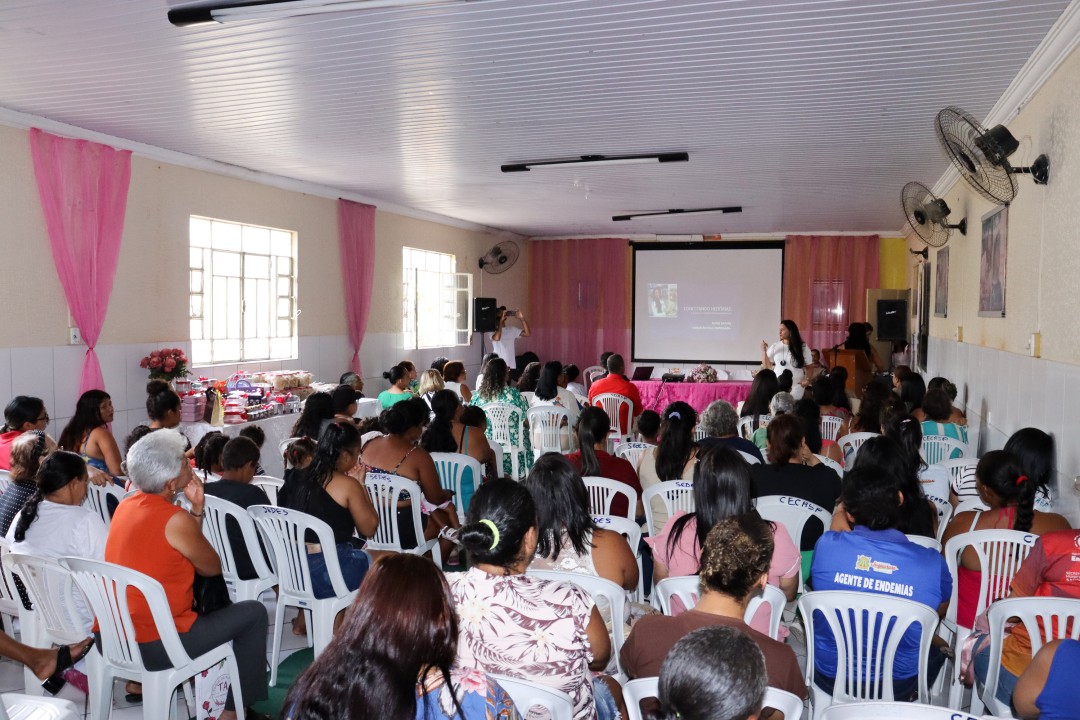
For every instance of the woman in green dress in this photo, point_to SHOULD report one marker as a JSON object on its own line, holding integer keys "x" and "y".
{"x": 495, "y": 388}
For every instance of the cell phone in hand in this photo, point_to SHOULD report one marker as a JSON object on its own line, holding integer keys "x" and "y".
{"x": 511, "y": 313}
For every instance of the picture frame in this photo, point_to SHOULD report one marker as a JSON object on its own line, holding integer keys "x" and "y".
{"x": 992, "y": 277}
{"x": 941, "y": 283}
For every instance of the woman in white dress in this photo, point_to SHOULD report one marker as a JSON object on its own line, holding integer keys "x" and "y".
{"x": 549, "y": 392}
{"x": 788, "y": 353}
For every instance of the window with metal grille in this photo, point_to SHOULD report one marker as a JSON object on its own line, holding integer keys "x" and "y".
{"x": 242, "y": 290}
{"x": 436, "y": 300}
{"x": 828, "y": 313}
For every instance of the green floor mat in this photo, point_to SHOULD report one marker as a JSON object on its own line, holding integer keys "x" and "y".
{"x": 289, "y": 669}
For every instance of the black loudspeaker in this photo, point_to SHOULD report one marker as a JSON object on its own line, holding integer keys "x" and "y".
{"x": 892, "y": 319}
{"x": 485, "y": 315}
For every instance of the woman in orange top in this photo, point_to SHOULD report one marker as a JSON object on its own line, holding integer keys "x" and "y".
{"x": 151, "y": 535}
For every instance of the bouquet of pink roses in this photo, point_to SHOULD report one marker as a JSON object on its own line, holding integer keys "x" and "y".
{"x": 166, "y": 363}
{"x": 703, "y": 374}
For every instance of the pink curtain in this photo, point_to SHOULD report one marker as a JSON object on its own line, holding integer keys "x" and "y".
{"x": 579, "y": 299}
{"x": 83, "y": 188}
{"x": 356, "y": 228}
{"x": 833, "y": 266}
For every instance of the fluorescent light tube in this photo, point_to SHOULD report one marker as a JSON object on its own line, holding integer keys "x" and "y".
{"x": 594, "y": 160}
{"x": 680, "y": 211}
{"x": 271, "y": 10}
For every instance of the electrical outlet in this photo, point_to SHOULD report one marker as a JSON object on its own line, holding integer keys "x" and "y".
{"x": 74, "y": 336}
{"x": 1035, "y": 345}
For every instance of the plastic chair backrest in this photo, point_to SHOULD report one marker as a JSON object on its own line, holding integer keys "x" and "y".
{"x": 547, "y": 424}
{"x": 632, "y": 450}
{"x": 367, "y": 408}
{"x": 699, "y": 433}
{"x": 15, "y": 706}
{"x": 958, "y": 468}
{"x": 936, "y": 448}
{"x": 52, "y": 590}
{"x": 831, "y": 464}
{"x": 849, "y": 445}
{"x": 97, "y": 499}
{"x": 684, "y": 587}
{"x": 643, "y": 688}
{"x": 5, "y": 480}
{"x": 527, "y": 695}
{"x": 892, "y": 711}
{"x": 599, "y": 588}
{"x": 867, "y": 628}
{"x": 750, "y": 423}
{"x": 926, "y": 542}
{"x": 602, "y": 492}
{"x": 215, "y": 528}
{"x": 945, "y": 513}
{"x": 1045, "y": 618}
{"x": 386, "y": 491}
{"x": 830, "y": 427}
{"x": 1000, "y": 554}
{"x": 501, "y": 416}
{"x": 627, "y": 528}
{"x": 752, "y": 459}
{"x": 776, "y": 600}
{"x": 10, "y": 602}
{"x": 787, "y": 703}
{"x": 284, "y": 444}
{"x": 283, "y": 531}
{"x": 792, "y": 512}
{"x": 620, "y": 411}
{"x": 269, "y": 485}
{"x": 591, "y": 373}
{"x": 674, "y": 494}
{"x": 455, "y": 469}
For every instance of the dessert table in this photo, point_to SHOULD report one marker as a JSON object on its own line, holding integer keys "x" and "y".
{"x": 657, "y": 394}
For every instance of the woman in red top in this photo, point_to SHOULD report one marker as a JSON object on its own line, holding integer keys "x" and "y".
{"x": 593, "y": 459}
{"x": 151, "y": 535}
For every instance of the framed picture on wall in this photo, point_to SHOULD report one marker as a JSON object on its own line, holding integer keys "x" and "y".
{"x": 995, "y": 235}
{"x": 941, "y": 284}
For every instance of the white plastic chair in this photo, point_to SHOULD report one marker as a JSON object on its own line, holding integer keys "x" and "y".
{"x": 528, "y": 395}
{"x": 106, "y": 587}
{"x": 454, "y": 469}
{"x": 752, "y": 459}
{"x": 591, "y": 373}
{"x": 284, "y": 444}
{"x": 926, "y": 542}
{"x": 892, "y": 711}
{"x": 945, "y": 513}
{"x": 97, "y": 499}
{"x": 550, "y": 428}
{"x": 793, "y": 513}
{"x": 959, "y": 468}
{"x": 831, "y": 464}
{"x": 867, "y": 629}
{"x": 683, "y": 587}
{"x": 602, "y": 492}
{"x": 830, "y": 427}
{"x": 1045, "y": 618}
{"x": 674, "y": 494}
{"x": 283, "y": 531}
{"x": 527, "y": 695}
{"x": 849, "y": 445}
{"x": 787, "y": 703}
{"x": 367, "y": 408}
{"x": 632, "y": 450}
{"x": 501, "y": 417}
{"x": 10, "y": 602}
{"x": 750, "y": 423}
{"x": 742, "y": 375}
{"x": 1000, "y": 554}
{"x": 617, "y": 408}
{"x": 24, "y": 707}
{"x": 632, "y": 532}
{"x": 386, "y": 492}
{"x": 599, "y": 588}
{"x": 215, "y": 528}
{"x": 269, "y": 485}
{"x": 5, "y": 480}
{"x": 776, "y": 600}
{"x": 637, "y": 690}
{"x": 936, "y": 448}
{"x": 699, "y": 433}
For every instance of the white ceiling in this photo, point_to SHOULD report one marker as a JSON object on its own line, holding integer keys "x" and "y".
{"x": 810, "y": 114}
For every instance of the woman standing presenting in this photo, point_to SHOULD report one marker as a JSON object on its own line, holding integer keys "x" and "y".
{"x": 788, "y": 353}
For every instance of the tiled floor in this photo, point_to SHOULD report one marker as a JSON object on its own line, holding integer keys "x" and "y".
{"x": 11, "y": 675}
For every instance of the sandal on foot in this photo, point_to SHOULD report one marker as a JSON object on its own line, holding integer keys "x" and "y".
{"x": 56, "y": 681}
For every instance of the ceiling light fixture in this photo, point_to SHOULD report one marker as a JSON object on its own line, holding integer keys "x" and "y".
{"x": 680, "y": 211}
{"x": 591, "y": 160}
{"x": 280, "y": 9}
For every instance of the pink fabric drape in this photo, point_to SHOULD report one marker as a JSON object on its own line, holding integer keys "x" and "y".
{"x": 579, "y": 299}
{"x": 83, "y": 188}
{"x": 852, "y": 260}
{"x": 356, "y": 230}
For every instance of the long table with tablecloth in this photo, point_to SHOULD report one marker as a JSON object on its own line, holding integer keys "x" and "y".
{"x": 657, "y": 394}
{"x": 276, "y": 427}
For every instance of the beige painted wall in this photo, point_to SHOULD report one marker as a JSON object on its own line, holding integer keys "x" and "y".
{"x": 1043, "y": 263}
{"x": 149, "y": 300}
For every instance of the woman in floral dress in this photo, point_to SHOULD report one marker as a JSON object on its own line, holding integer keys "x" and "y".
{"x": 495, "y": 388}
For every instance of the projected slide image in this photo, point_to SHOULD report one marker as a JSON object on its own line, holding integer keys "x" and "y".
{"x": 663, "y": 300}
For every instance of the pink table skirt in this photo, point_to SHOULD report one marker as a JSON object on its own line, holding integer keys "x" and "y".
{"x": 698, "y": 395}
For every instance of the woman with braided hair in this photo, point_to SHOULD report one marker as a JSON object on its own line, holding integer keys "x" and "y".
{"x": 27, "y": 452}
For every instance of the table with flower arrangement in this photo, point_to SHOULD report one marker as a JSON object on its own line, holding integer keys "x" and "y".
{"x": 657, "y": 394}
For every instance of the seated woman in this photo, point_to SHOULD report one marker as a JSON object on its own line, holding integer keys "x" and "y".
{"x": 151, "y": 535}
{"x": 325, "y": 490}
{"x": 397, "y": 453}
{"x": 431, "y": 382}
{"x": 530, "y": 375}
{"x": 410, "y": 373}
{"x": 823, "y": 391}
{"x": 454, "y": 378}
{"x": 162, "y": 406}
{"x": 1010, "y": 495}
{"x": 939, "y": 383}
{"x": 446, "y": 434}
{"x": 907, "y": 433}
{"x": 722, "y": 489}
{"x": 913, "y": 391}
{"x": 573, "y": 372}
{"x": 54, "y": 523}
{"x": 354, "y": 381}
{"x": 400, "y": 382}
{"x": 27, "y": 453}
{"x": 549, "y": 391}
{"x": 395, "y": 656}
{"x": 782, "y": 403}
{"x": 1045, "y": 691}
{"x": 316, "y": 415}
{"x": 208, "y": 455}
{"x": 721, "y": 425}
{"x": 807, "y": 411}
{"x": 763, "y": 388}
{"x": 22, "y": 414}
{"x": 502, "y": 611}
{"x": 88, "y": 433}
{"x": 937, "y": 408}
{"x": 674, "y": 457}
{"x": 593, "y": 458}
{"x": 495, "y": 388}
{"x": 1034, "y": 450}
{"x": 343, "y": 398}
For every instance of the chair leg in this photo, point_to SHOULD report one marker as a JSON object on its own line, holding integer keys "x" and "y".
{"x": 101, "y": 680}
{"x": 279, "y": 627}
{"x": 322, "y": 628}
{"x": 157, "y": 697}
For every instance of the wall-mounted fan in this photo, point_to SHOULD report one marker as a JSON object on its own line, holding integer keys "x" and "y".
{"x": 981, "y": 155}
{"x": 501, "y": 257}
{"x": 927, "y": 215}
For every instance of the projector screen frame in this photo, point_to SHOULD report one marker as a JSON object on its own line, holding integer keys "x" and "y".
{"x": 646, "y": 246}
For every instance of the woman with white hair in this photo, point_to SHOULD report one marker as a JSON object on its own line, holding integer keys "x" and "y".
{"x": 153, "y": 536}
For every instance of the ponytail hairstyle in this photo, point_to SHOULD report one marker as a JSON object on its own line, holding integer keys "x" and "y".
{"x": 27, "y": 452}
{"x": 593, "y": 426}
{"x": 208, "y": 451}
{"x": 795, "y": 343}
{"x": 439, "y": 435}
{"x": 338, "y": 438}
{"x": 87, "y": 417}
{"x": 1033, "y": 450}
{"x": 999, "y": 471}
{"x": 21, "y": 410}
{"x": 55, "y": 473}
{"x": 160, "y": 399}
{"x": 676, "y": 440}
{"x": 907, "y": 432}
{"x": 507, "y": 506}
{"x": 299, "y": 453}
{"x": 318, "y": 407}
{"x": 403, "y": 416}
